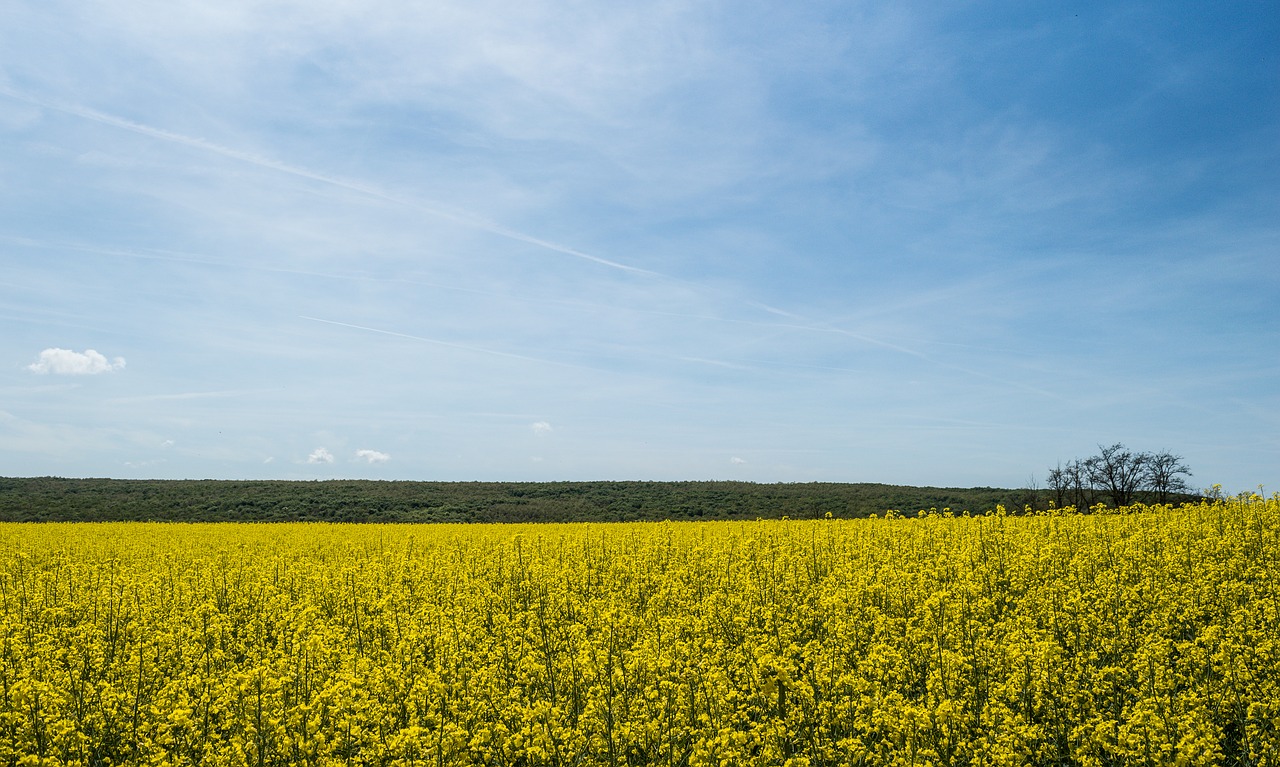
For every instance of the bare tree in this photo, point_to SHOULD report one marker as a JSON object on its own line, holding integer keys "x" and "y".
{"x": 1117, "y": 471}
{"x": 1029, "y": 496}
{"x": 1071, "y": 485}
{"x": 1081, "y": 487}
{"x": 1165, "y": 475}
{"x": 1120, "y": 475}
{"x": 1060, "y": 484}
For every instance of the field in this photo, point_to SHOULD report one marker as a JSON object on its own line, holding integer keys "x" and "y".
{"x": 1145, "y": 637}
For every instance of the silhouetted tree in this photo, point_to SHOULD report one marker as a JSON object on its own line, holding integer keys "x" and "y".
{"x": 1120, "y": 475}
{"x": 1029, "y": 495}
{"x": 1059, "y": 485}
{"x": 1165, "y": 475}
{"x": 1071, "y": 485}
{"x": 1117, "y": 471}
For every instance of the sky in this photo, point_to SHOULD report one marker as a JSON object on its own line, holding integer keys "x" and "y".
{"x": 912, "y": 243}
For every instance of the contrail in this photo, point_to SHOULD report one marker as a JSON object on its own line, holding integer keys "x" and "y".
{"x": 436, "y": 342}
{"x": 465, "y": 219}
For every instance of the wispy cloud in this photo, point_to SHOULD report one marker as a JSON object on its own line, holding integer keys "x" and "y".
{"x": 185, "y": 396}
{"x": 674, "y": 226}
{"x": 437, "y": 342}
{"x": 463, "y": 218}
{"x": 71, "y": 363}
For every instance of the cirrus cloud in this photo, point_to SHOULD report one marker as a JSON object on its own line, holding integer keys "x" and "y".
{"x": 72, "y": 363}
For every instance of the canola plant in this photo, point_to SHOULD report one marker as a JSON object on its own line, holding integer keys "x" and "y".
{"x": 1148, "y": 636}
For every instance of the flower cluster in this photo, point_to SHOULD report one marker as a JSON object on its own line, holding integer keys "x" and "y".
{"x": 1148, "y": 637}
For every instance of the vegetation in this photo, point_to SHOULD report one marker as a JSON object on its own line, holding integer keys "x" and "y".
{"x": 1121, "y": 476}
{"x": 50, "y": 499}
{"x": 1145, "y": 637}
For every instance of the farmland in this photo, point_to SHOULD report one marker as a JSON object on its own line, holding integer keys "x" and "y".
{"x": 1146, "y": 635}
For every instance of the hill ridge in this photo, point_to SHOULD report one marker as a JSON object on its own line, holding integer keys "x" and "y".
{"x": 363, "y": 500}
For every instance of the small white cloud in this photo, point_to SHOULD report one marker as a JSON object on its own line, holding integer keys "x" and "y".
{"x": 320, "y": 455}
{"x": 167, "y": 443}
{"x": 269, "y": 459}
{"x": 540, "y": 428}
{"x": 68, "y": 363}
{"x": 736, "y": 461}
{"x": 143, "y": 464}
{"x": 372, "y": 456}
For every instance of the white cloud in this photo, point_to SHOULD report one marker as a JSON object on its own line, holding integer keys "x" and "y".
{"x": 736, "y": 461}
{"x": 143, "y": 464}
{"x": 541, "y": 427}
{"x": 372, "y": 456}
{"x": 70, "y": 363}
{"x": 320, "y": 455}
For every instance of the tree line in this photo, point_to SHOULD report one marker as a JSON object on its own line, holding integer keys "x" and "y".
{"x": 1121, "y": 476}
{"x": 59, "y": 499}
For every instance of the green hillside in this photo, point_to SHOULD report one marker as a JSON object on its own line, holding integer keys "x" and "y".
{"x": 56, "y": 499}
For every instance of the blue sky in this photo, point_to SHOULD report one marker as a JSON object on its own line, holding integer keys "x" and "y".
{"x": 914, "y": 243}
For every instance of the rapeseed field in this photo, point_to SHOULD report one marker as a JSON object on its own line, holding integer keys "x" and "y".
{"x": 1148, "y": 636}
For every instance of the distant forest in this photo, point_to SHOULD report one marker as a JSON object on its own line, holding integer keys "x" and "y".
{"x": 50, "y": 499}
